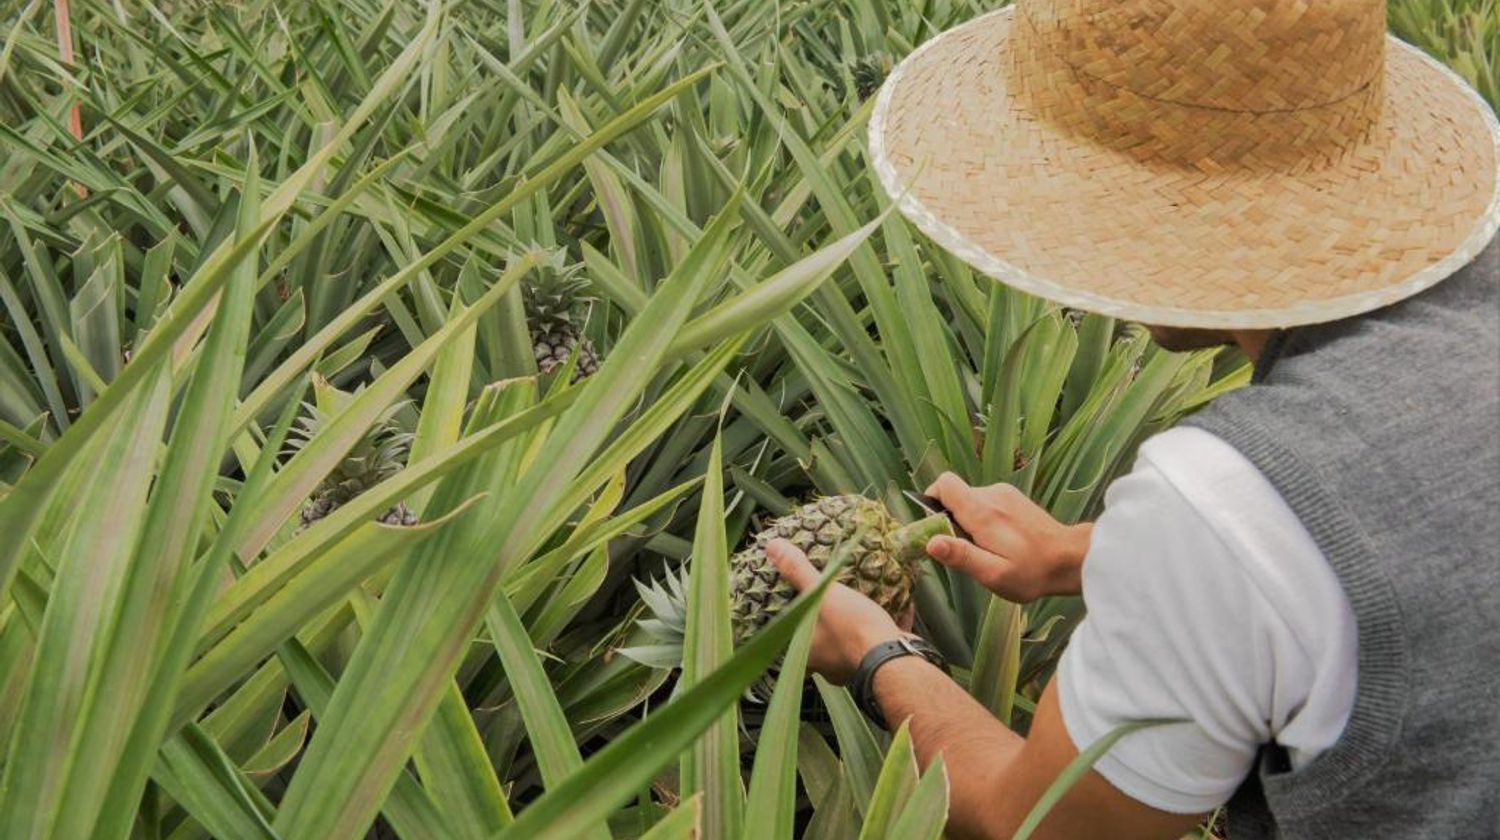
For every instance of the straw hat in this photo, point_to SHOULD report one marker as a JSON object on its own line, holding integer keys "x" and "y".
{"x": 1197, "y": 163}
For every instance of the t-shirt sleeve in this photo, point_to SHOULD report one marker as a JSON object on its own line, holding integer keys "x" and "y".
{"x": 1176, "y": 629}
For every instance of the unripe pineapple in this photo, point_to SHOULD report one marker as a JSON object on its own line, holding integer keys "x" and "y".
{"x": 378, "y": 455}
{"x": 553, "y": 317}
{"x": 882, "y": 565}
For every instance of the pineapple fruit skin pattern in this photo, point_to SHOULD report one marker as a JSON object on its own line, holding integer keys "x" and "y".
{"x": 551, "y": 350}
{"x": 881, "y": 566}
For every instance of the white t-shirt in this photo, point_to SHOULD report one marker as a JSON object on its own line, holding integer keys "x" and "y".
{"x": 1209, "y": 601}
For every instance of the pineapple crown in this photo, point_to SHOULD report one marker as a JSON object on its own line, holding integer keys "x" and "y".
{"x": 554, "y": 295}
{"x": 666, "y": 602}
{"x": 378, "y": 454}
{"x": 869, "y": 73}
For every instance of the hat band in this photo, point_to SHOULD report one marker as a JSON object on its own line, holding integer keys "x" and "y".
{"x": 1207, "y": 138}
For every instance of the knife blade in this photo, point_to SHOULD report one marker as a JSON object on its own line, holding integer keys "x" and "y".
{"x": 934, "y": 505}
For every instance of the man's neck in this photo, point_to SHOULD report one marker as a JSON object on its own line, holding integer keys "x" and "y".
{"x": 1251, "y": 342}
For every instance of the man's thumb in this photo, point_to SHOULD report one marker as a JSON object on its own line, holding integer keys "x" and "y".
{"x": 965, "y": 557}
{"x": 792, "y": 563}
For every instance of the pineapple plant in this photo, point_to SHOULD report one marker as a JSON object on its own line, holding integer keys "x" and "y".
{"x": 379, "y": 454}
{"x": 882, "y": 565}
{"x": 554, "y": 315}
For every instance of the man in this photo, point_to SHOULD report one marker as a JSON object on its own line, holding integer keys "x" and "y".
{"x": 1307, "y": 573}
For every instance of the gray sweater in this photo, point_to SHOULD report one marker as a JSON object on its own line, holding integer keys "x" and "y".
{"x": 1382, "y": 432}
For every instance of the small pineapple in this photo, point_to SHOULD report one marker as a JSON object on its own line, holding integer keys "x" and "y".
{"x": 378, "y": 455}
{"x": 553, "y": 318}
{"x": 869, "y": 74}
{"x": 883, "y": 566}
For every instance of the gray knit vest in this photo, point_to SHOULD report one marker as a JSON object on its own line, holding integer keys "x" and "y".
{"x": 1382, "y": 432}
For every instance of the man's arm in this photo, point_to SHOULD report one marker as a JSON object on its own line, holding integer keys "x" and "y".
{"x": 996, "y": 776}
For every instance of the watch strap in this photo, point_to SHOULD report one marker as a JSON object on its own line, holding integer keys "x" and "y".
{"x": 862, "y": 685}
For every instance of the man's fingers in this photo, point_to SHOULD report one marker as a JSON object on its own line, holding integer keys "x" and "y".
{"x": 947, "y": 488}
{"x": 792, "y": 563}
{"x": 957, "y": 496}
{"x": 966, "y": 557}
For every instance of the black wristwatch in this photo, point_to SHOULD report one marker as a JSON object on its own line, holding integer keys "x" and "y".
{"x": 863, "y": 683}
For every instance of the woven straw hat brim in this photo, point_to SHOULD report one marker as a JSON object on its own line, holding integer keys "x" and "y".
{"x": 1062, "y": 216}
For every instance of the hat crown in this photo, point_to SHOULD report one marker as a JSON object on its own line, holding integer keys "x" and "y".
{"x": 1238, "y": 55}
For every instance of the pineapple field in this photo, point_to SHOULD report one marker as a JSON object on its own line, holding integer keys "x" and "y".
{"x": 396, "y": 397}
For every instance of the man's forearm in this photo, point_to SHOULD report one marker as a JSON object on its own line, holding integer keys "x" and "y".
{"x": 943, "y": 719}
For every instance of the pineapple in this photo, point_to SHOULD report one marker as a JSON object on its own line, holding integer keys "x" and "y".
{"x": 883, "y": 566}
{"x": 869, "y": 74}
{"x": 552, "y": 316}
{"x": 378, "y": 455}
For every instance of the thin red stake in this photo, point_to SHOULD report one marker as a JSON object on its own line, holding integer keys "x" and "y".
{"x": 65, "y": 52}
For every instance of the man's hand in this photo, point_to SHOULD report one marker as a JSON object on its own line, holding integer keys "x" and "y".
{"x": 1019, "y": 551}
{"x": 849, "y": 624}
